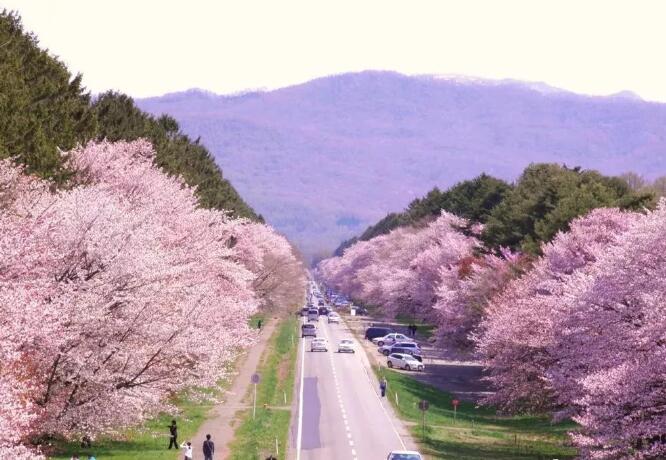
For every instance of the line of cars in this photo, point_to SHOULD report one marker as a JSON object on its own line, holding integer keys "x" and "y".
{"x": 401, "y": 351}
{"x": 309, "y": 329}
{"x": 385, "y": 338}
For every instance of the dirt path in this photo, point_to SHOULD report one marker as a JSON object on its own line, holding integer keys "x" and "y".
{"x": 220, "y": 424}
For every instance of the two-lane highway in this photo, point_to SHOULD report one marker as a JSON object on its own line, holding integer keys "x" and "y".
{"x": 341, "y": 415}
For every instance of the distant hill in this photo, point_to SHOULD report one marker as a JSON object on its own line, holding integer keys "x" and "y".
{"x": 323, "y": 160}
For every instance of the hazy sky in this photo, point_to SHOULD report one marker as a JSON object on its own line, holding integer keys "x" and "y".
{"x": 149, "y": 47}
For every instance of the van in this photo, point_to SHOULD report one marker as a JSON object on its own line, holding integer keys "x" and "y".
{"x": 308, "y": 330}
{"x": 375, "y": 331}
{"x": 313, "y": 314}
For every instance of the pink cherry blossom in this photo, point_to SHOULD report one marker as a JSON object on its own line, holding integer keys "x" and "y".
{"x": 118, "y": 292}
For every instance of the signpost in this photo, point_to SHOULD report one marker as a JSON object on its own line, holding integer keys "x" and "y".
{"x": 255, "y": 380}
{"x": 455, "y": 403}
{"x": 423, "y": 407}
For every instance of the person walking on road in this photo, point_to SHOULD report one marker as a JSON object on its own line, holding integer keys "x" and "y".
{"x": 208, "y": 448}
{"x": 187, "y": 449}
{"x": 382, "y": 386}
{"x": 173, "y": 435}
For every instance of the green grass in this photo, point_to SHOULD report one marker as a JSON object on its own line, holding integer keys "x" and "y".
{"x": 253, "y": 322}
{"x": 148, "y": 442}
{"x": 255, "y": 438}
{"x": 422, "y": 329}
{"x": 473, "y": 433}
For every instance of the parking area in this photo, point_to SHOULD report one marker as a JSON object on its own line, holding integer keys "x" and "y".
{"x": 458, "y": 376}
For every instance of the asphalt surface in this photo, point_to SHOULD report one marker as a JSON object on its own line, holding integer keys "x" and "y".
{"x": 343, "y": 416}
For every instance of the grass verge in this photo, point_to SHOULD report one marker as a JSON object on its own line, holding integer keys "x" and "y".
{"x": 473, "y": 433}
{"x": 423, "y": 330}
{"x": 256, "y": 437}
{"x": 150, "y": 441}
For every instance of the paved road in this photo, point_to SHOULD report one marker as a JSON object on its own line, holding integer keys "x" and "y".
{"x": 343, "y": 416}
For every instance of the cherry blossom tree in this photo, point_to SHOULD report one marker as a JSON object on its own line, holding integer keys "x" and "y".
{"x": 523, "y": 321}
{"x": 116, "y": 292}
{"x": 609, "y": 358}
{"x": 463, "y": 293}
{"x": 401, "y": 270}
{"x": 279, "y": 274}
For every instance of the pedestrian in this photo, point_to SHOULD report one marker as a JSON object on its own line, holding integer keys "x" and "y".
{"x": 91, "y": 457}
{"x": 382, "y": 386}
{"x": 259, "y": 324}
{"x": 208, "y": 448}
{"x": 75, "y": 457}
{"x": 187, "y": 450}
{"x": 173, "y": 435}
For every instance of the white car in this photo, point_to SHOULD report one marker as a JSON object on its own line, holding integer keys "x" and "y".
{"x": 404, "y": 361}
{"x": 346, "y": 346}
{"x": 333, "y": 317}
{"x": 390, "y": 339}
{"x": 404, "y": 455}
{"x": 319, "y": 344}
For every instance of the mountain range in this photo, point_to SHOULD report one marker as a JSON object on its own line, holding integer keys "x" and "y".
{"x": 324, "y": 159}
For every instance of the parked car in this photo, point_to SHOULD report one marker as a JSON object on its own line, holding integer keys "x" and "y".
{"x": 391, "y": 338}
{"x": 403, "y": 347}
{"x": 346, "y": 346}
{"x": 333, "y": 317}
{"x": 376, "y": 331}
{"x": 404, "y": 361}
{"x": 361, "y": 311}
{"x": 319, "y": 344}
{"x": 313, "y": 314}
{"x": 404, "y": 455}
{"x": 308, "y": 329}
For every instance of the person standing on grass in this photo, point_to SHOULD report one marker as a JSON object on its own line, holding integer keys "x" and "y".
{"x": 382, "y": 386}
{"x": 208, "y": 448}
{"x": 173, "y": 435}
{"x": 187, "y": 450}
{"x": 259, "y": 324}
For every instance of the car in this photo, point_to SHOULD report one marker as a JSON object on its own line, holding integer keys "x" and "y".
{"x": 404, "y": 455}
{"x": 376, "y": 331}
{"x": 333, "y": 317}
{"x": 404, "y": 361}
{"x": 391, "y": 338}
{"x": 323, "y": 311}
{"x": 304, "y": 311}
{"x": 403, "y": 348}
{"x": 308, "y": 330}
{"x": 319, "y": 344}
{"x": 361, "y": 311}
{"x": 321, "y": 302}
{"x": 346, "y": 346}
{"x": 387, "y": 349}
{"x": 313, "y": 314}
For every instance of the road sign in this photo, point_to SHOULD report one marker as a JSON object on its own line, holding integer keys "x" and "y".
{"x": 455, "y": 403}
{"x": 255, "y": 378}
{"x": 424, "y": 405}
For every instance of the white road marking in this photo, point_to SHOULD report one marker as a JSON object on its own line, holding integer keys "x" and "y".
{"x": 395, "y": 430}
{"x": 299, "y": 436}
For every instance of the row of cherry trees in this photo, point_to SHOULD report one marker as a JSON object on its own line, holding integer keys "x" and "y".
{"x": 119, "y": 291}
{"x": 580, "y": 332}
